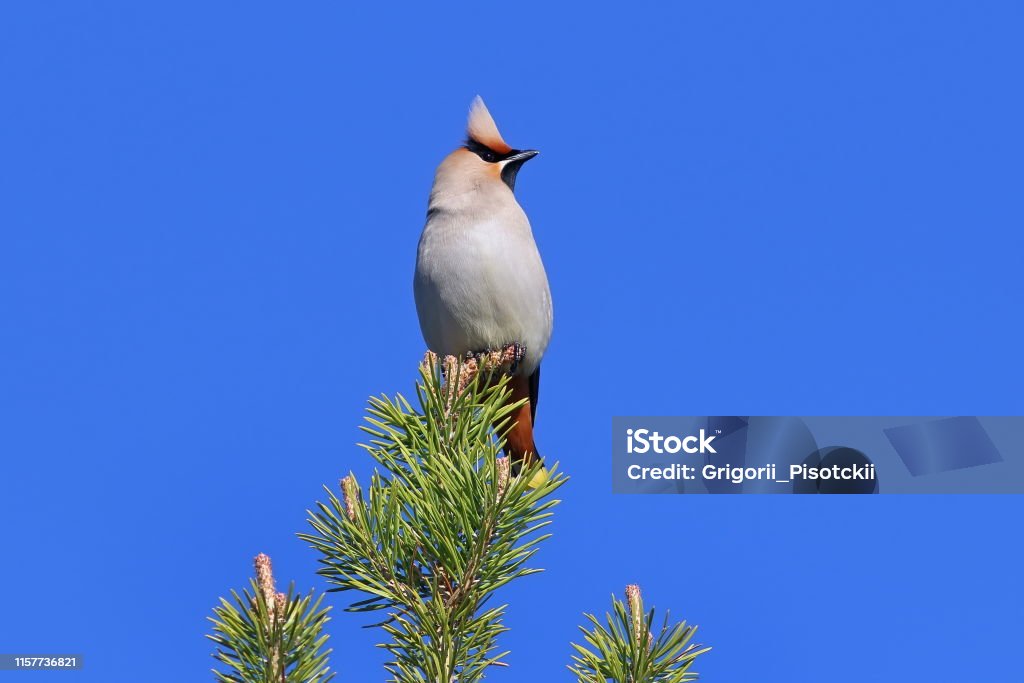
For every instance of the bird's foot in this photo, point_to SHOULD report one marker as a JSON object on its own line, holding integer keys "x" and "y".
{"x": 504, "y": 359}
{"x": 461, "y": 370}
{"x": 518, "y": 353}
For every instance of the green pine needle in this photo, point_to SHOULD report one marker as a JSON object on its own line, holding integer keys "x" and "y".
{"x": 260, "y": 643}
{"x": 624, "y": 649}
{"x": 441, "y": 526}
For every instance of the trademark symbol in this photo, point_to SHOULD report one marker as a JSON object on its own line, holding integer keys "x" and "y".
{"x": 718, "y": 431}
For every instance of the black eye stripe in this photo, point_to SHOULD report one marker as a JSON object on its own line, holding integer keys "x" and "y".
{"x": 486, "y": 153}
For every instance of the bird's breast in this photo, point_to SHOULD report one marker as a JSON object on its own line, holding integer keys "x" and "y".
{"x": 480, "y": 283}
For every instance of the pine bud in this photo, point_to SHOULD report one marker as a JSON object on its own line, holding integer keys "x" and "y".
{"x": 281, "y": 605}
{"x": 265, "y": 578}
{"x": 350, "y": 491}
{"x": 636, "y": 609}
{"x": 504, "y": 466}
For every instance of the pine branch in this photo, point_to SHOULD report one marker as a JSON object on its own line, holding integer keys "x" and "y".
{"x": 263, "y": 636}
{"x": 624, "y": 649}
{"x": 443, "y": 524}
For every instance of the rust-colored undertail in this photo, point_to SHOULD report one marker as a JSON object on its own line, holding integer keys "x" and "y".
{"x": 519, "y": 444}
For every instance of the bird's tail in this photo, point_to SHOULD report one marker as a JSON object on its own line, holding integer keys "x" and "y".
{"x": 529, "y": 460}
{"x": 521, "y": 448}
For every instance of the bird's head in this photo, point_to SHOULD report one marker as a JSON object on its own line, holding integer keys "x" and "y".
{"x": 485, "y": 155}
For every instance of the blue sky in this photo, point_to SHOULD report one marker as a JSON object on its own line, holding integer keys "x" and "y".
{"x": 209, "y": 216}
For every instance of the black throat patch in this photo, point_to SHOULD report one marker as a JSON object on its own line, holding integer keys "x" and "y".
{"x": 509, "y": 172}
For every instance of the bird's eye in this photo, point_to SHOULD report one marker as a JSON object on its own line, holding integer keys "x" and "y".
{"x": 482, "y": 151}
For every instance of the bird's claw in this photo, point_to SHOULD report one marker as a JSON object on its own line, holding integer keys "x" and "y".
{"x": 496, "y": 360}
{"x": 518, "y": 354}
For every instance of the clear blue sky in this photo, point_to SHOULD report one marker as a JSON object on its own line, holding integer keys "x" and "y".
{"x": 209, "y": 215}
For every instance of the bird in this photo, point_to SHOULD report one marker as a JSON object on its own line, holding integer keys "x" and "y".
{"x": 480, "y": 284}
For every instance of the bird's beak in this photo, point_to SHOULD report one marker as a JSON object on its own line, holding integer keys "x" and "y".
{"x": 510, "y": 169}
{"x": 525, "y": 155}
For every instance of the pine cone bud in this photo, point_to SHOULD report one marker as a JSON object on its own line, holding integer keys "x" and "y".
{"x": 350, "y": 491}
{"x": 504, "y": 466}
{"x": 636, "y": 609}
{"x": 265, "y": 578}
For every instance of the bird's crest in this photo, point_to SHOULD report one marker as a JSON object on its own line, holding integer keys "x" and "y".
{"x": 482, "y": 129}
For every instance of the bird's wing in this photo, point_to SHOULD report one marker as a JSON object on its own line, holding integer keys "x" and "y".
{"x": 534, "y": 394}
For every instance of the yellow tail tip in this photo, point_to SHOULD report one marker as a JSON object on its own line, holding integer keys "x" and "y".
{"x": 539, "y": 478}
